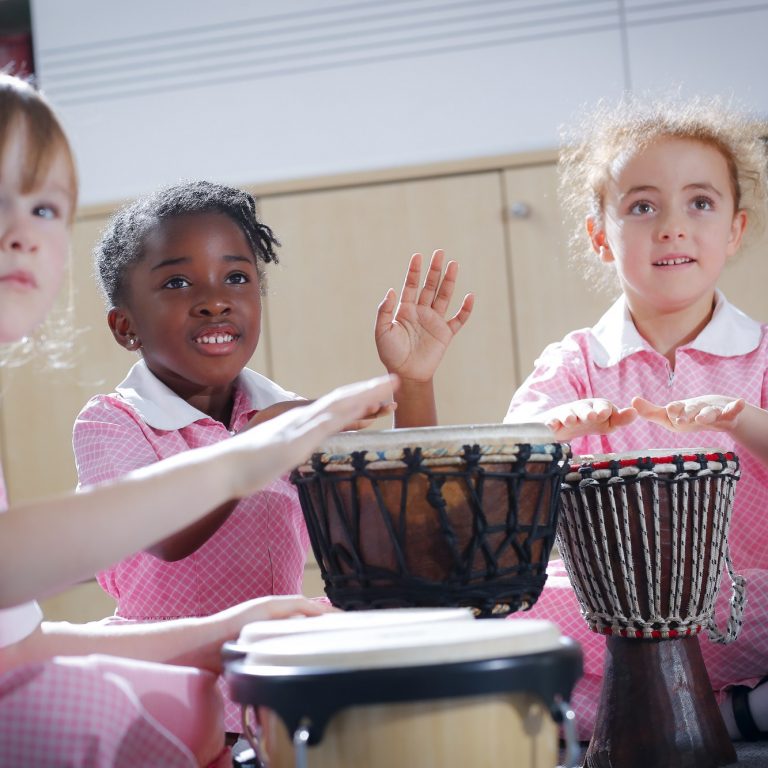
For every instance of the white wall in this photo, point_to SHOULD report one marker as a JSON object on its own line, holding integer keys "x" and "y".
{"x": 244, "y": 91}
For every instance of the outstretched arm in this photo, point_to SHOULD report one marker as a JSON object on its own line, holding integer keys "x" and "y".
{"x": 49, "y": 544}
{"x": 593, "y": 416}
{"x": 746, "y": 424}
{"x": 413, "y": 335}
{"x": 194, "y": 641}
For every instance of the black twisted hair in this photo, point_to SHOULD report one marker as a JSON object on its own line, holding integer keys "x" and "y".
{"x": 122, "y": 242}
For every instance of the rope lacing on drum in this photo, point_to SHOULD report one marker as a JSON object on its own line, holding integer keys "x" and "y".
{"x": 495, "y": 565}
{"x": 586, "y": 548}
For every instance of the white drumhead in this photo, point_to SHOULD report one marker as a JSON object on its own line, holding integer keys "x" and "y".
{"x": 349, "y": 620}
{"x": 408, "y": 645}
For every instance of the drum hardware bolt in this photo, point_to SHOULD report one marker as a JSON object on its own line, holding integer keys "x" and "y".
{"x": 568, "y": 722}
{"x": 300, "y": 742}
{"x": 519, "y": 210}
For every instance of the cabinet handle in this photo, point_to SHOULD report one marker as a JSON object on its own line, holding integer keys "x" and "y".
{"x": 519, "y": 210}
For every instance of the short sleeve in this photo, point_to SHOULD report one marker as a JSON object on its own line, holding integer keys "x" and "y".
{"x": 109, "y": 441}
{"x": 559, "y": 376}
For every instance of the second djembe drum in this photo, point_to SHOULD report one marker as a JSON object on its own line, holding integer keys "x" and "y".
{"x": 644, "y": 538}
{"x": 439, "y": 516}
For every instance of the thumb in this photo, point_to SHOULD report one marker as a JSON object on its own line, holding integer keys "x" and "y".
{"x": 385, "y": 312}
{"x": 646, "y": 408}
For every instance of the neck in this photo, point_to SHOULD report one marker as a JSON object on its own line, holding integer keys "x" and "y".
{"x": 218, "y": 405}
{"x": 665, "y": 331}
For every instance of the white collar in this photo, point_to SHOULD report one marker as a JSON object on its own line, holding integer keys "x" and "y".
{"x": 728, "y": 334}
{"x": 161, "y": 408}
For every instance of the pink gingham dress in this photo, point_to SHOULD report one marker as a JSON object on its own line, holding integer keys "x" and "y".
{"x": 612, "y": 361}
{"x": 69, "y": 713}
{"x": 260, "y": 549}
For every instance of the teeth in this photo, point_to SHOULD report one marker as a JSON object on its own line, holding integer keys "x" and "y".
{"x": 219, "y": 338}
{"x": 667, "y": 262}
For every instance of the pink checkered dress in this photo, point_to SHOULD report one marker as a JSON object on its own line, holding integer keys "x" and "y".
{"x": 260, "y": 549}
{"x": 66, "y": 713}
{"x": 612, "y": 361}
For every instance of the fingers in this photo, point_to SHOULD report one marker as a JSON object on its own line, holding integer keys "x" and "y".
{"x": 354, "y": 401}
{"x": 713, "y": 411}
{"x": 385, "y": 313}
{"x": 648, "y": 410}
{"x": 432, "y": 281}
{"x": 456, "y": 323}
{"x": 410, "y": 290}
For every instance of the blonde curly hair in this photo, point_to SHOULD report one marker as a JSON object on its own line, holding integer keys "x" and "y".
{"x": 621, "y": 130}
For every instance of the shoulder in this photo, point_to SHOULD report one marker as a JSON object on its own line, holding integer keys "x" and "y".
{"x": 573, "y": 349}
{"x": 105, "y": 416}
{"x": 107, "y": 406}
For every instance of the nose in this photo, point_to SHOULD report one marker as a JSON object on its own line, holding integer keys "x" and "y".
{"x": 17, "y": 235}
{"x": 211, "y": 303}
{"x": 672, "y": 227}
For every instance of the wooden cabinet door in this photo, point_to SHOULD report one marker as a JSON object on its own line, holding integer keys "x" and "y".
{"x": 343, "y": 248}
{"x": 549, "y": 295}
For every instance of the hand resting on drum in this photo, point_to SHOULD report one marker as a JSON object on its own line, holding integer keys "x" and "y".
{"x": 593, "y": 416}
{"x": 746, "y": 423}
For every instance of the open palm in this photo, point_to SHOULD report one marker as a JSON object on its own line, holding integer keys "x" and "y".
{"x": 412, "y": 335}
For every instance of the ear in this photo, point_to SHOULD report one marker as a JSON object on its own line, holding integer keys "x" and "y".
{"x": 597, "y": 238}
{"x": 738, "y": 226}
{"x": 122, "y": 329}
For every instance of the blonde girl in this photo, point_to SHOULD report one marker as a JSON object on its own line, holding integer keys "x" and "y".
{"x": 664, "y": 193}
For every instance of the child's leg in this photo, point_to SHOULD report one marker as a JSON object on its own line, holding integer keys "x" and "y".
{"x": 73, "y": 714}
{"x": 745, "y": 661}
{"x": 183, "y": 700}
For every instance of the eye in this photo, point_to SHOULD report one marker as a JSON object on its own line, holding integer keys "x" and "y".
{"x": 176, "y": 282}
{"x": 45, "y": 211}
{"x": 238, "y": 278}
{"x": 703, "y": 203}
{"x": 641, "y": 207}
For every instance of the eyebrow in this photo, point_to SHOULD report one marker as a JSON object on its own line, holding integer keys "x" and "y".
{"x": 695, "y": 185}
{"x": 237, "y": 258}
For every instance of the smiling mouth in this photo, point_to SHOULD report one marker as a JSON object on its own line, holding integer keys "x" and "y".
{"x": 673, "y": 262}
{"x": 216, "y": 338}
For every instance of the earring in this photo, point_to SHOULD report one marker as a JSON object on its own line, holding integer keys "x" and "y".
{"x": 132, "y": 342}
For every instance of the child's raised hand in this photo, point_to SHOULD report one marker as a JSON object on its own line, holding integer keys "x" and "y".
{"x": 412, "y": 336}
{"x": 696, "y": 413}
{"x": 593, "y": 416}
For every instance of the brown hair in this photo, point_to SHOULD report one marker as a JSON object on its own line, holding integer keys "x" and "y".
{"x": 614, "y": 131}
{"x": 23, "y": 107}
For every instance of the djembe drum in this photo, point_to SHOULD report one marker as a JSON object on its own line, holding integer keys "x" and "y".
{"x": 436, "y": 694}
{"x": 644, "y": 540}
{"x": 438, "y": 516}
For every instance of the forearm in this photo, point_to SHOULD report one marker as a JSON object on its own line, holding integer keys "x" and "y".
{"x": 47, "y": 544}
{"x": 751, "y": 432}
{"x": 190, "y": 539}
{"x": 416, "y": 405}
{"x": 191, "y": 642}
